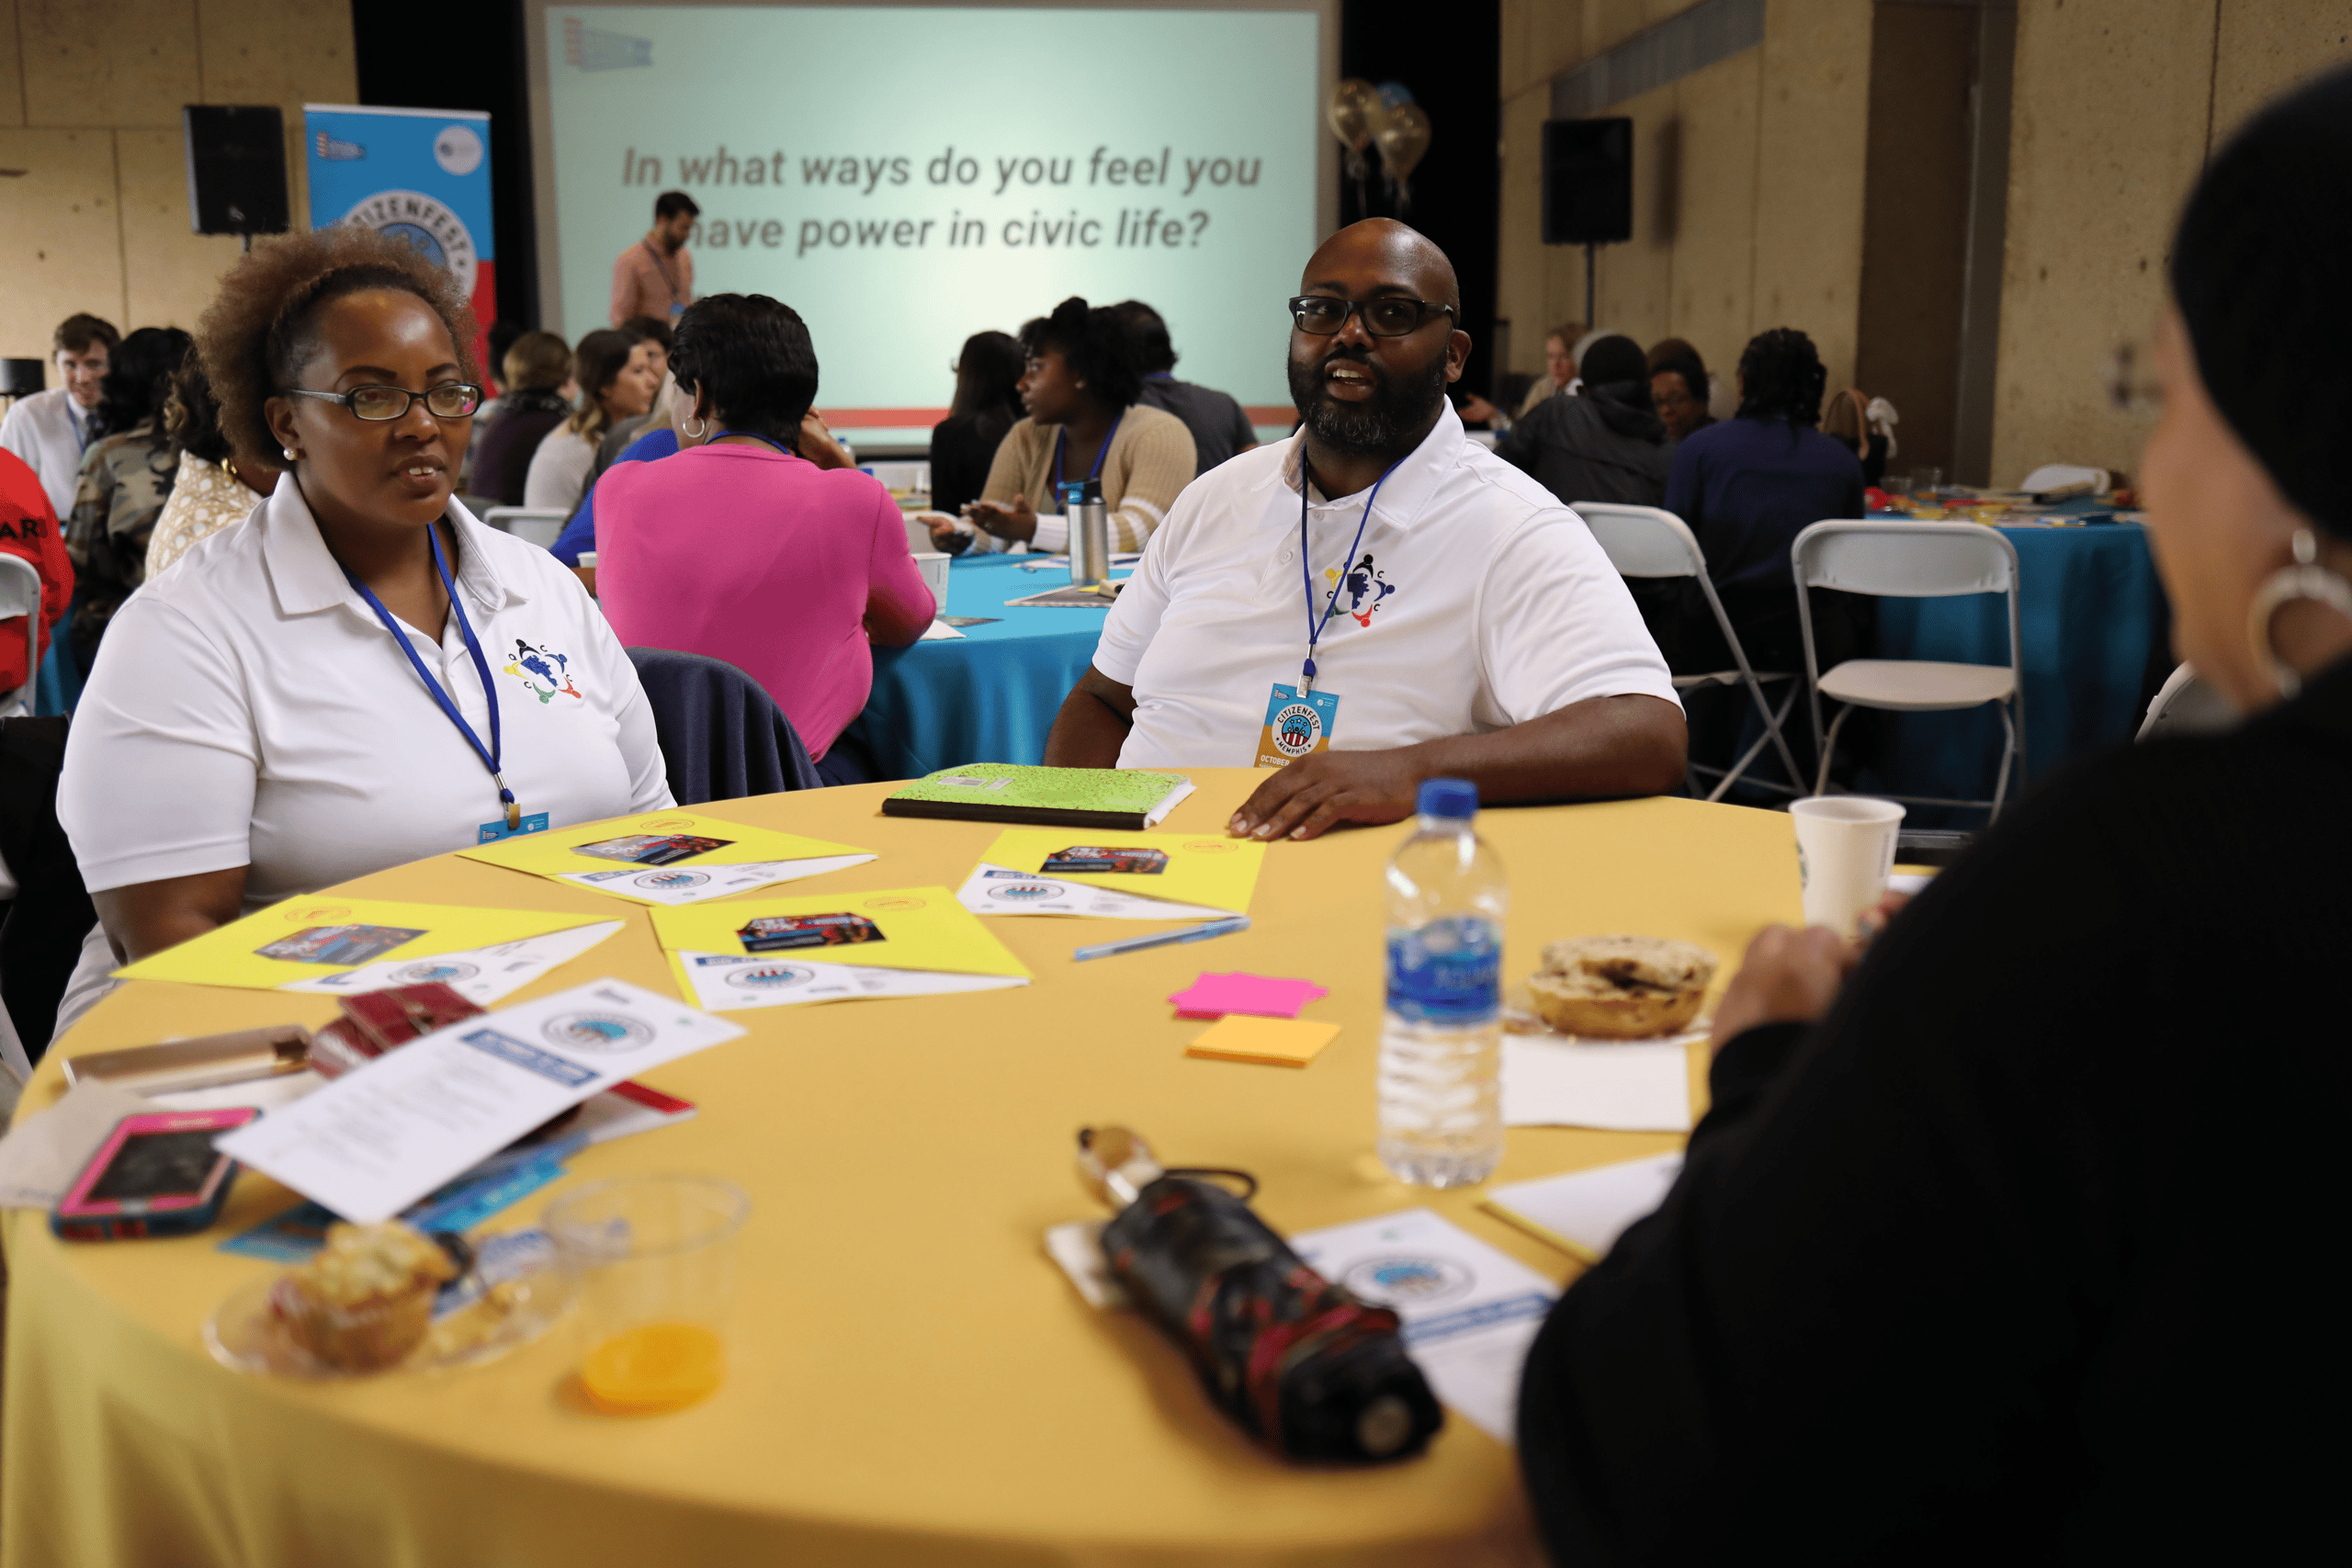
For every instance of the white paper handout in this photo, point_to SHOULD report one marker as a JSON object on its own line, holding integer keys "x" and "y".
{"x": 1470, "y": 1312}
{"x": 1637, "y": 1085}
{"x": 729, "y": 982}
{"x": 379, "y": 1138}
{"x": 940, "y": 631}
{"x": 698, "y": 884}
{"x": 481, "y": 974}
{"x": 1587, "y": 1210}
{"x": 999, "y": 890}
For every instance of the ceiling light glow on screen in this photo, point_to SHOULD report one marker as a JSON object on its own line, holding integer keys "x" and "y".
{"x": 904, "y": 176}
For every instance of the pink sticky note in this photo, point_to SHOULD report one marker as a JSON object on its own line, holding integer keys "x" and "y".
{"x": 1213, "y": 996}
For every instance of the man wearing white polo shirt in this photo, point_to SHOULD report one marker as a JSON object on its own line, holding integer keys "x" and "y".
{"x": 1376, "y": 601}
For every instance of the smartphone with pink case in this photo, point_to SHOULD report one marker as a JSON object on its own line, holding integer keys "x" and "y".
{"x": 156, "y": 1174}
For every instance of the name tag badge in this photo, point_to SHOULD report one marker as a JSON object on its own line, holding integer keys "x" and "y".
{"x": 536, "y": 822}
{"x": 1296, "y": 727}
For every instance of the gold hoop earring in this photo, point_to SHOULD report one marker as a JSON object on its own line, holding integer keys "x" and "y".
{"x": 2305, "y": 580}
{"x": 695, "y": 427}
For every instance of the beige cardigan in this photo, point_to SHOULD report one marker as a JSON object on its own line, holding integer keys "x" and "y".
{"x": 1150, "y": 459}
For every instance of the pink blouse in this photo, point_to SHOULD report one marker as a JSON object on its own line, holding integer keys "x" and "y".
{"x": 777, "y": 566}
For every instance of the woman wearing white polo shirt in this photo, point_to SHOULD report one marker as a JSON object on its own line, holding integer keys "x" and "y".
{"x": 361, "y": 673}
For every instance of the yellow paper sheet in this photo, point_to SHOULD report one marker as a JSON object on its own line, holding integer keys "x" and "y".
{"x": 557, "y": 855}
{"x": 338, "y": 934}
{"x": 1270, "y": 1042}
{"x": 921, "y": 927}
{"x": 1202, "y": 868}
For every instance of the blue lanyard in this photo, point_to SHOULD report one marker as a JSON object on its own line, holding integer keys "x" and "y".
{"x": 1061, "y": 434}
{"x": 490, "y": 755}
{"x": 1306, "y": 580}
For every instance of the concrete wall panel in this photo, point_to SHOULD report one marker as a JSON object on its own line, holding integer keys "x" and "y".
{"x": 169, "y": 272}
{"x": 11, "y": 70}
{"x": 60, "y": 237}
{"x": 2264, "y": 48}
{"x": 1636, "y": 286}
{"x": 90, "y": 62}
{"x": 2112, "y": 105}
{"x": 1714, "y": 255}
{"x": 1813, "y": 132}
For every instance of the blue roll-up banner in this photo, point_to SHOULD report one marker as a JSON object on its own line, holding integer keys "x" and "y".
{"x": 423, "y": 175}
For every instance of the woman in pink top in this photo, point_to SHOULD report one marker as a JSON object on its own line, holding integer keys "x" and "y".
{"x": 739, "y": 549}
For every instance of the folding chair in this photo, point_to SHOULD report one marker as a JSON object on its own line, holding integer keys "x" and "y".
{"x": 2187, "y": 704}
{"x": 1643, "y": 541}
{"x": 1913, "y": 560}
{"x": 541, "y": 526}
{"x": 20, "y": 595}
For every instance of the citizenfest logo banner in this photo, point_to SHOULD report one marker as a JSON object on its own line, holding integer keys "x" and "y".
{"x": 422, "y": 175}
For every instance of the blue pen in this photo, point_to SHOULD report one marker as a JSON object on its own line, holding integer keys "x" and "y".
{"x": 1201, "y": 932}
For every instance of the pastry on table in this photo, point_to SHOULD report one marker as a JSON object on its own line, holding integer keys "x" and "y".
{"x": 365, "y": 1300}
{"x": 1621, "y": 988}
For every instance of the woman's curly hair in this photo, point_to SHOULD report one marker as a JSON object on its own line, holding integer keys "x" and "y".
{"x": 1782, "y": 378}
{"x": 261, "y": 330}
{"x": 1097, "y": 347}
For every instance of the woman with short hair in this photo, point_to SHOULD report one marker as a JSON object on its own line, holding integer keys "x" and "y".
{"x": 740, "y": 549}
{"x": 617, "y": 379}
{"x": 361, "y": 674}
{"x": 1080, "y": 383}
{"x": 2009, "y": 1237}
{"x": 538, "y": 372}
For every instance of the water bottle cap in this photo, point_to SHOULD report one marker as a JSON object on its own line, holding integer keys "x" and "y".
{"x": 1448, "y": 798}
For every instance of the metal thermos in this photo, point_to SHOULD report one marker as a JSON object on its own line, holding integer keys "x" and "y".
{"x": 1089, "y": 533}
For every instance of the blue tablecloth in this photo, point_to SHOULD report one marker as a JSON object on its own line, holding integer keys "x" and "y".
{"x": 2093, "y": 620}
{"x": 990, "y": 696}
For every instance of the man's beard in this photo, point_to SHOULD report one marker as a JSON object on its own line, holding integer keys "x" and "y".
{"x": 1386, "y": 425}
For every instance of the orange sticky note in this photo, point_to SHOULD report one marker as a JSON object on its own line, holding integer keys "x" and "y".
{"x": 1275, "y": 1042}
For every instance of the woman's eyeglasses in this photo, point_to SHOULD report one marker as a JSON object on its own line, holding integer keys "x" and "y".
{"x": 450, "y": 399}
{"x": 1391, "y": 315}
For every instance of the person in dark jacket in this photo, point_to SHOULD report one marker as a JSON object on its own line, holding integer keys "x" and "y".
{"x": 988, "y": 403}
{"x": 2006, "y": 1240}
{"x": 1220, "y": 428}
{"x": 536, "y": 369}
{"x": 1605, "y": 443}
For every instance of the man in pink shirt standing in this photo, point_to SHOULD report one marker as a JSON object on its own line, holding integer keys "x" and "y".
{"x": 656, "y": 276}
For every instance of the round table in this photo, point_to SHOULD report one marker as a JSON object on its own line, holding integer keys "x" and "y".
{"x": 910, "y": 1378}
{"x": 990, "y": 695}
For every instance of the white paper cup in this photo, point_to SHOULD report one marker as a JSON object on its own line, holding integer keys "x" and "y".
{"x": 1845, "y": 852}
{"x": 932, "y": 564}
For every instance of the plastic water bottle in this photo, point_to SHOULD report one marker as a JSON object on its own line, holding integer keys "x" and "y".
{"x": 1441, "y": 1045}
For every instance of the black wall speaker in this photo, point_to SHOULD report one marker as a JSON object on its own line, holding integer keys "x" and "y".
{"x": 1587, "y": 181}
{"x": 236, "y": 168}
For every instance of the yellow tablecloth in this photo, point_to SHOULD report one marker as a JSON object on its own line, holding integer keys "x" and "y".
{"x": 911, "y": 1380}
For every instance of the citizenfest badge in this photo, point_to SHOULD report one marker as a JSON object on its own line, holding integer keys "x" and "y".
{"x": 1295, "y": 726}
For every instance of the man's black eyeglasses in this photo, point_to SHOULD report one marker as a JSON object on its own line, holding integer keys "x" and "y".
{"x": 450, "y": 399}
{"x": 1391, "y": 315}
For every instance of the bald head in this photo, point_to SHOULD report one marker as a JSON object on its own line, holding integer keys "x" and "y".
{"x": 1401, "y": 256}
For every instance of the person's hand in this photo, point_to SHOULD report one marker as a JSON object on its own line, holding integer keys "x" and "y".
{"x": 1476, "y": 409}
{"x": 1325, "y": 788}
{"x": 1874, "y": 919}
{"x": 1016, "y": 519}
{"x": 1788, "y": 977}
{"x": 944, "y": 535}
{"x": 818, "y": 445}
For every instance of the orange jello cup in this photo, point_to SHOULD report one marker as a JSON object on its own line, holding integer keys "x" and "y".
{"x": 655, "y": 1366}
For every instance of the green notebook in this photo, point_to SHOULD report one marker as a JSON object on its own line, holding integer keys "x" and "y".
{"x": 1074, "y": 798}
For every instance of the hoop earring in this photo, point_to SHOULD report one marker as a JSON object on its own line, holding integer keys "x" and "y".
{"x": 695, "y": 427}
{"x": 2305, "y": 580}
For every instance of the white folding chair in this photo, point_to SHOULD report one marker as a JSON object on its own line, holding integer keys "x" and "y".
{"x": 540, "y": 525}
{"x": 1913, "y": 560}
{"x": 1643, "y": 541}
{"x": 2069, "y": 477}
{"x": 20, "y": 595}
{"x": 2187, "y": 704}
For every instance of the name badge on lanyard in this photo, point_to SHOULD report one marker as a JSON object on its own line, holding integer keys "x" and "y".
{"x": 1299, "y": 719}
{"x": 514, "y": 824}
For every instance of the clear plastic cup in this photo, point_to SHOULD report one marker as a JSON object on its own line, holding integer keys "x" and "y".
{"x": 651, "y": 1262}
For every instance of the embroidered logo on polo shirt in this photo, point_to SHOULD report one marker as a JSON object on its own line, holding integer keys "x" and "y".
{"x": 547, "y": 672}
{"x": 1363, "y": 589}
